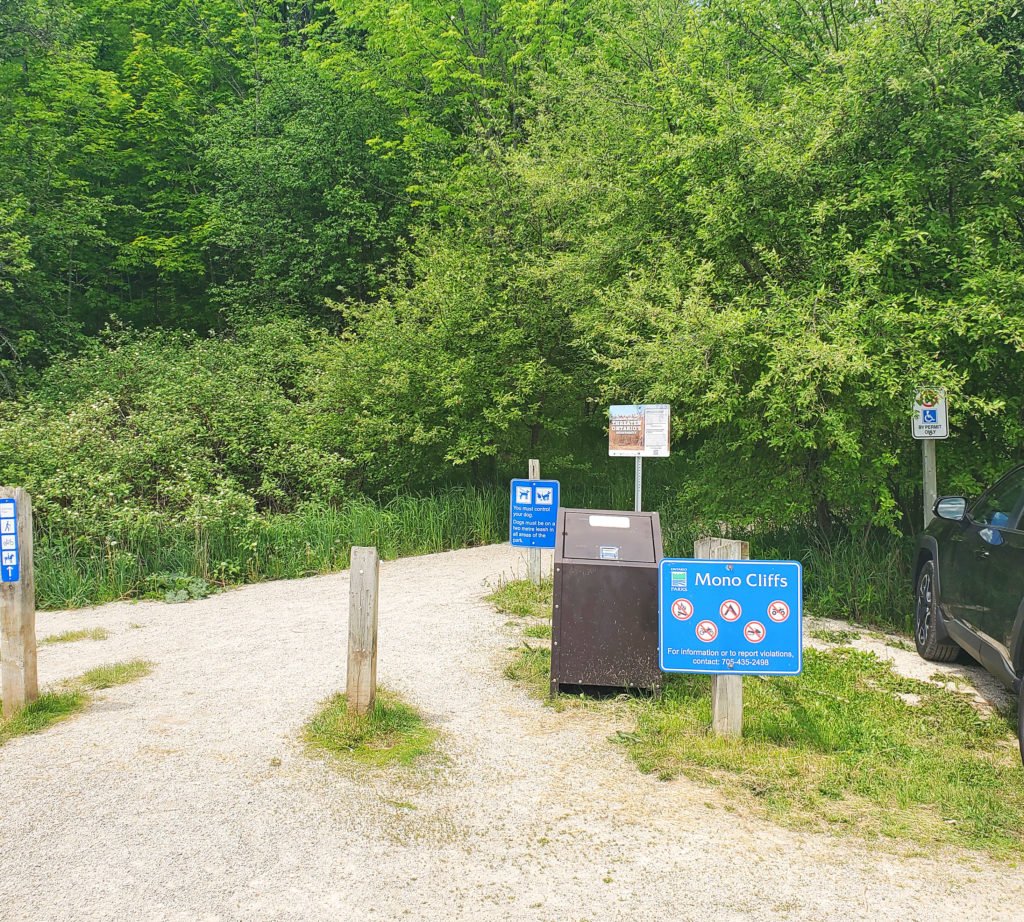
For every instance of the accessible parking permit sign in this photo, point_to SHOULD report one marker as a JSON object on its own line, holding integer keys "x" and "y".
{"x": 742, "y": 617}
{"x": 10, "y": 566}
{"x": 533, "y": 516}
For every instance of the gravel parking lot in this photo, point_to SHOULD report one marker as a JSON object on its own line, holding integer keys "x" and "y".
{"x": 188, "y": 795}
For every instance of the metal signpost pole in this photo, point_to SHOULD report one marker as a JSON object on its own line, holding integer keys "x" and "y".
{"x": 930, "y": 422}
{"x": 638, "y": 482}
{"x": 931, "y": 489}
{"x": 534, "y": 553}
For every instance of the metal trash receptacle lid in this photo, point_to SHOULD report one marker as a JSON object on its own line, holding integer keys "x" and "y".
{"x": 609, "y": 536}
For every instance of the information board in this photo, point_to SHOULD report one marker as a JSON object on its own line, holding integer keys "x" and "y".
{"x": 931, "y": 414}
{"x": 533, "y": 514}
{"x": 10, "y": 564}
{"x": 741, "y": 617}
{"x": 639, "y": 430}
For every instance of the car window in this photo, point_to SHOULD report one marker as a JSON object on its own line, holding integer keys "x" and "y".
{"x": 1001, "y": 506}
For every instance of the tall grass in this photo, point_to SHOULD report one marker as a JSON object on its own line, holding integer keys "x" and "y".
{"x": 864, "y": 578}
{"x": 76, "y": 571}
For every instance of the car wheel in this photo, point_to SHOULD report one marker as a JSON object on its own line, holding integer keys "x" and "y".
{"x": 926, "y": 619}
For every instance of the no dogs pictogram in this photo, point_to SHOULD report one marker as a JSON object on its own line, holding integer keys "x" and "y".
{"x": 778, "y": 611}
{"x": 707, "y": 631}
{"x": 682, "y": 609}
{"x": 730, "y": 610}
{"x": 754, "y": 631}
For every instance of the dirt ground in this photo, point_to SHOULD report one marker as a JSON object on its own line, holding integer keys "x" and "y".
{"x": 188, "y": 795}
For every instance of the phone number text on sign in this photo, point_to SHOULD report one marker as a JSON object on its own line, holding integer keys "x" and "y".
{"x": 730, "y": 616}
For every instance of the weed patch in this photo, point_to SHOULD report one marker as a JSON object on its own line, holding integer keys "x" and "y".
{"x": 115, "y": 674}
{"x": 392, "y": 733}
{"x": 49, "y": 708}
{"x": 70, "y": 698}
{"x": 836, "y": 637}
{"x": 521, "y": 597}
{"x": 96, "y": 633}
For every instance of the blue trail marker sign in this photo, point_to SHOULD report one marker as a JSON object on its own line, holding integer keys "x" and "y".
{"x": 10, "y": 564}
{"x": 533, "y": 518}
{"x": 730, "y": 617}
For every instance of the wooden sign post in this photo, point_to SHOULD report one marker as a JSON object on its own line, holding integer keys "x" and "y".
{"x": 364, "y": 574}
{"x": 726, "y": 690}
{"x": 534, "y": 552}
{"x": 19, "y": 676}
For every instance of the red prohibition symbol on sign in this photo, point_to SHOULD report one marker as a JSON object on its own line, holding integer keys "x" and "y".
{"x": 707, "y": 631}
{"x": 754, "y": 631}
{"x": 778, "y": 611}
{"x": 730, "y": 610}
{"x": 682, "y": 609}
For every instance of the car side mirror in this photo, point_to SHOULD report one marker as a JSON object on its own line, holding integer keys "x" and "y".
{"x": 953, "y": 508}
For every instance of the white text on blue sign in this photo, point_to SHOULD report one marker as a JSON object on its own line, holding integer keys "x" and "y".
{"x": 730, "y": 616}
{"x": 533, "y": 513}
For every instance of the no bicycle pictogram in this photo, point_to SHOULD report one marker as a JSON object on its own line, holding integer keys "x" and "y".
{"x": 707, "y": 631}
{"x": 682, "y": 609}
{"x": 778, "y": 611}
{"x": 754, "y": 631}
{"x": 730, "y": 610}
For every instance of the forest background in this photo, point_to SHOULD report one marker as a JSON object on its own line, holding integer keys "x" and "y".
{"x": 280, "y": 277}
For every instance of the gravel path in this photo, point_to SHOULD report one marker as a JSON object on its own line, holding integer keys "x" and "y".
{"x": 187, "y": 795}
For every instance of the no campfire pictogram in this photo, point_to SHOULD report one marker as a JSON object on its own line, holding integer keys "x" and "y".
{"x": 778, "y": 611}
{"x": 754, "y": 631}
{"x": 682, "y": 609}
{"x": 707, "y": 631}
{"x": 730, "y": 610}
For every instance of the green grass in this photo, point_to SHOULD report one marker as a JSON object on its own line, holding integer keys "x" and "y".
{"x": 70, "y": 698}
{"x": 522, "y": 598}
{"x": 49, "y": 708}
{"x": 393, "y": 733}
{"x": 836, "y": 748}
{"x": 73, "y": 571}
{"x": 837, "y": 637}
{"x": 115, "y": 674}
{"x": 96, "y": 633}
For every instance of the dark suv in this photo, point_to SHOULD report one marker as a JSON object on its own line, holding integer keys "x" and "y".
{"x": 969, "y": 581}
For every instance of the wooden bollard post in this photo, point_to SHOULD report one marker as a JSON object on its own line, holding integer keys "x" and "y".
{"x": 726, "y": 690}
{"x": 533, "y": 555}
{"x": 362, "y": 629}
{"x": 19, "y": 675}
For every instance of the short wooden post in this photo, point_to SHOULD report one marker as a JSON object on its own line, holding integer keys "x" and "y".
{"x": 364, "y": 571}
{"x": 726, "y": 690}
{"x": 533, "y": 555}
{"x": 19, "y": 675}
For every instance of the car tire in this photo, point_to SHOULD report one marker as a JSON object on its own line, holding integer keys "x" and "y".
{"x": 926, "y": 619}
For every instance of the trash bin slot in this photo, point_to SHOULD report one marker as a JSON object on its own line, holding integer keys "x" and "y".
{"x": 604, "y": 537}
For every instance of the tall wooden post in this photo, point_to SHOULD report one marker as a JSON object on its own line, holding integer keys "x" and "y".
{"x": 19, "y": 675}
{"x": 726, "y": 690}
{"x": 533, "y": 555}
{"x": 361, "y": 678}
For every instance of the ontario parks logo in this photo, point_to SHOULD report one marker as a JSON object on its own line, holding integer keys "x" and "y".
{"x": 679, "y": 580}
